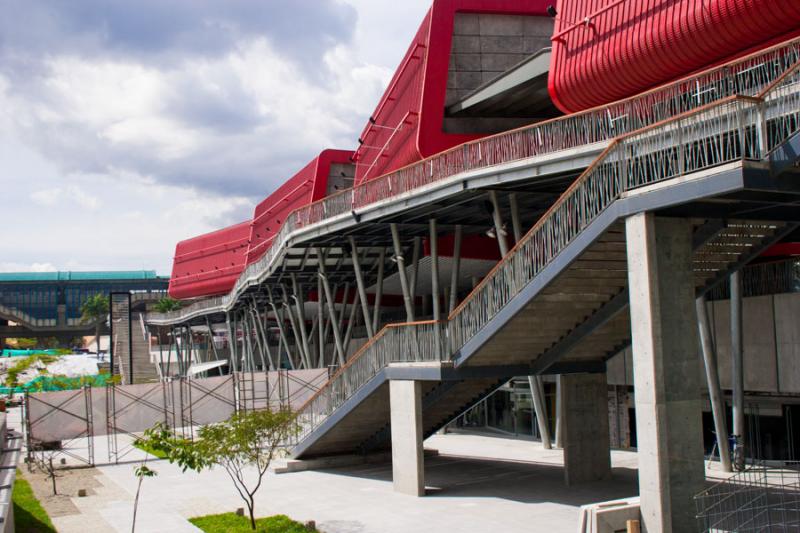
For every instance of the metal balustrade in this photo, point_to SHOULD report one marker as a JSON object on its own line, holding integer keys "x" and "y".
{"x": 724, "y": 132}
{"x": 746, "y": 76}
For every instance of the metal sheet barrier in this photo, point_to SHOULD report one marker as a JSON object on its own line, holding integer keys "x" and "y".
{"x": 71, "y": 419}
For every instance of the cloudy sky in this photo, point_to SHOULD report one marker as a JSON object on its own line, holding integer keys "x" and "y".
{"x": 127, "y": 126}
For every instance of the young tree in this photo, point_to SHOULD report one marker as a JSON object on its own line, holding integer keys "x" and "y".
{"x": 244, "y": 446}
{"x": 93, "y": 311}
{"x": 142, "y": 471}
{"x": 43, "y": 461}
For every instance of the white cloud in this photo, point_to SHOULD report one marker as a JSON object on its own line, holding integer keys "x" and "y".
{"x": 46, "y": 197}
{"x": 22, "y": 267}
{"x": 121, "y": 155}
{"x": 72, "y": 194}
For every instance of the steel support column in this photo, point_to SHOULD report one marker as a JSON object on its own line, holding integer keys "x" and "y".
{"x": 401, "y": 272}
{"x": 712, "y": 379}
{"x": 456, "y": 269}
{"x": 539, "y": 408}
{"x": 362, "y": 290}
{"x": 498, "y": 224}
{"x": 331, "y": 310}
{"x": 437, "y": 314}
{"x": 737, "y": 360}
{"x": 376, "y": 310}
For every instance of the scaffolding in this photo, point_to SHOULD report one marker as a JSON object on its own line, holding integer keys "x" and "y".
{"x": 71, "y": 420}
{"x": 763, "y": 498}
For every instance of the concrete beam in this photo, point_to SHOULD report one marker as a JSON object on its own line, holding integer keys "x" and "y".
{"x": 408, "y": 468}
{"x": 666, "y": 371}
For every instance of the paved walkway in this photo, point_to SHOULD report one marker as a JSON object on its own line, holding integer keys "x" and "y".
{"x": 476, "y": 484}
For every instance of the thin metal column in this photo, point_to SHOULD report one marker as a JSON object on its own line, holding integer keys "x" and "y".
{"x": 296, "y": 334}
{"x": 281, "y": 333}
{"x": 498, "y": 224}
{"x": 437, "y": 315}
{"x": 231, "y": 343}
{"x": 301, "y": 317}
{"x": 211, "y": 339}
{"x": 160, "y": 354}
{"x": 362, "y": 291}
{"x": 541, "y": 413}
{"x": 298, "y": 341}
{"x": 263, "y": 332}
{"x": 456, "y": 269}
{"x": 376, "y": 310}
{"x": 401, "y": 271}
{"x": 261, "y": 340}
{"x": 351, "y": 320}
{"x": 516, "y": 226}
{"x": 712, "y": 378}
{"x": 331, "y": 310}
{"x": 416, "y": 252}
{"x": 321, "y": 321}
{"x": 559, "y": 414}
{"x": 737, "y": 358}
{"x": 535, "y": 382}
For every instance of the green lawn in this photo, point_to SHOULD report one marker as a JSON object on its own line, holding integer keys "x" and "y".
{"x": 29, "y": 516}
{"x": 158, "y": 453}
{"x": 233, "y": 523}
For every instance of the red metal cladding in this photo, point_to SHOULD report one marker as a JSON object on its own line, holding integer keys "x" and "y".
{"x": 308, "y": 185}
{"x": 606, "y": 50}
{"x": 406, "y": 126}
{"x": 783, "y": 249}
{"x": 209, "y": 264}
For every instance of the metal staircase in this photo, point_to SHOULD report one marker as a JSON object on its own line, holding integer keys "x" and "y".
{"x": 560, "y": 296}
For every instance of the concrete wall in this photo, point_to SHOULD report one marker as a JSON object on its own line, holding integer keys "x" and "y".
{"x": 484, "y": 46}
{"x": 771, "y": 345}
{"x": 340, "y": 177}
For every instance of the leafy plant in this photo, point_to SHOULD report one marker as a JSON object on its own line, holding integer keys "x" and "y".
{"x": 249, "y": 439}
{"x": 165, "y": 305}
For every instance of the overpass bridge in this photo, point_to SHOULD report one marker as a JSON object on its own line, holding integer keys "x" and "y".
{"x": 48, "y": 304}
{"x": 634, "y": 209}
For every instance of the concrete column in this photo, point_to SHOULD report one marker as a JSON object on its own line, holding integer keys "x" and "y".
{"x": 666, "y": 371}
{"x": 408, "y": 468}
{"x": 587, "y": 450}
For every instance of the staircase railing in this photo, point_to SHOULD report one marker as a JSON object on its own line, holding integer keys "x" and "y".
{"x": 736, "y": 128}
{"x": 746, "y": 76}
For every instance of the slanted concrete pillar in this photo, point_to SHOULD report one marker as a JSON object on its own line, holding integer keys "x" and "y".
{"x": 666, "y": 371}
{"x": 587, "y": 452}
{"x": 408, "y": 468}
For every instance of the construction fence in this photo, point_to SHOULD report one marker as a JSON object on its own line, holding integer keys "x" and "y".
{"x": 69, "y": 421}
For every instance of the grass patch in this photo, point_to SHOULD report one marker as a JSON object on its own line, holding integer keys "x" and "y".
{"x": 233, "y": 523}
{"x": 144, "y": 447}
{"x": 29, "y": 515}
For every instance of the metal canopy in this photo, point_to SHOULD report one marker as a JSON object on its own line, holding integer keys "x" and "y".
{"x": 520, "y": 91}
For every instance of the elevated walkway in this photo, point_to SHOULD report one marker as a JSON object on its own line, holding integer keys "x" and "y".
{"x": 560, "y": 296}
{"x": 545, "y": 156}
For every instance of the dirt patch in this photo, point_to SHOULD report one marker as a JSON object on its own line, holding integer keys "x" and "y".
{"x": 68, "y": 483}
